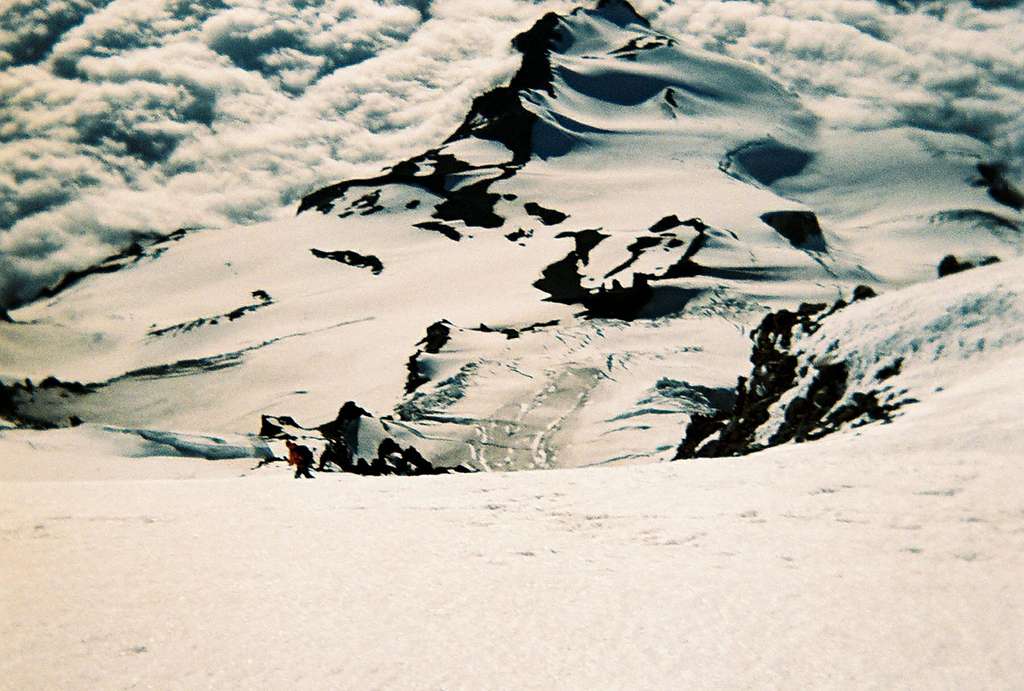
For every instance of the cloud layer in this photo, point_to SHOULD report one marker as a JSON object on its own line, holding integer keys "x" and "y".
{"x": 120, "y": 118}
{"x": 950, "y": 66}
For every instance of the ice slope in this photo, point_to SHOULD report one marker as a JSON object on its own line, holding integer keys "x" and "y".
{"x": 886, "y": 556}
{"x": 560, "y": 209}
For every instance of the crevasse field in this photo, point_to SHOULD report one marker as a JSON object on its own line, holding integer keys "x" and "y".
{"x": 540, "y": 243}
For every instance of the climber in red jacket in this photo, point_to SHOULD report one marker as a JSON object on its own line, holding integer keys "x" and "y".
{"x": 300, "y": 457}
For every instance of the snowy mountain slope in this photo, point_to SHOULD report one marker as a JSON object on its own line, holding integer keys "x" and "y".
{"x": 883, "y": 556}
{"x": 629, "y": 207}
{"x": 573, "y": 281}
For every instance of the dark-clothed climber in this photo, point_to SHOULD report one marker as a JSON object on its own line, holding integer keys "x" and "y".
{"x": 300, "y": 457}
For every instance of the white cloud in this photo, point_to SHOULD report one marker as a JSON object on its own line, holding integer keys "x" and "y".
{"x": 947, "y": 66}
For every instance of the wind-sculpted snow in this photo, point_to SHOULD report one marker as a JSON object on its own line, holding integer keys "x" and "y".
{"x": 597, "y": 237}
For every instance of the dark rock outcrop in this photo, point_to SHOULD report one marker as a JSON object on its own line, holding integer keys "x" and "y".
{"x": 341, "y": 449}
{"x": 512, "y": 333}
{"x": 42, "y": 406}
{"x": 263, "y": 299}
{"x": 629, "y": 295}
{"x": 890, "y": 370}
{"x": 862, "y": 292}
{"x": 439, "y": 227}
{"x": 416, "y": 377}
{"x": 391, "y": 459}
{"x": 149, "y": 245}
{"x": 620, "y": 12}
{"x": 345, "y": 424}
{"x": 804, "y": 414}
{"x": 438, "y": 335}
{"x": 667, "y": 223}
{"x": 273, "y": 426}
{"x": 619, "y": 301}
{"x": 776, "y": 371}
{"x": 368, "y": 204}
{"x": 497, "y": 115}
{"x": 636, "y": 250}
{"x": 472, "y": 204}
{"x": 520, "y": 234}
{"x": 801, "y": 228}
{"x": 993, "y": 176}
{"x": 951, "y": 265}
{"x": 563, "y": 283}
{"x": 562, "y": 280}
{"x": 549, "y": 217}
{"x": 115, "y": 262}
{"x": 146, "y": 246}
{"x": 351, "y": 258}
{"x": 640, "y": 44}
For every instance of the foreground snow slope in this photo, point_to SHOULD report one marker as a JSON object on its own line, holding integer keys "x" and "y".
{"x": 885, "y": 556}
{"x": 871, "y": 561}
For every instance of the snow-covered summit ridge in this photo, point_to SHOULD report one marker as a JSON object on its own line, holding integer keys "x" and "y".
{"x": 585, "y": 77}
